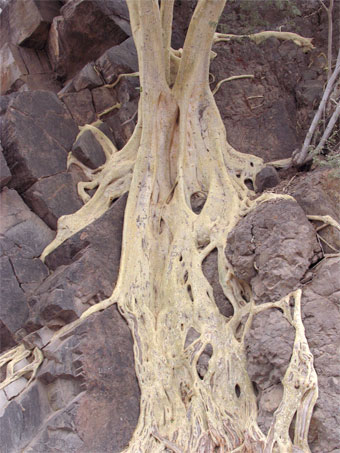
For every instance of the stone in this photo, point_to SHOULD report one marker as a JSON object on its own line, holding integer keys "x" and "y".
{"x": 3, "y": 402}
{"x": 123, "y": 123}
{"x": 267, "y": 178}
{"x": 320, "y": 311}
{"x": 103, "y": 98}
{"x": 23, "y": 237}
{"x": 20, "y": 224}
{"x": 39, "y": 338}
{"x": 88, "y": 77}
{"x": 5, "y": 174}
{"x": 25, "y": 69}
{"x": 27, "y": 22}
{"x": 93, "y": 367}
{"x": 26, "y": 413}
{"x": 6, "y": 338}
{"x": 14, "y": 388}
{"x": 318, "y": 194}
{"x": 53, "y": 197}
{"x": 87, "y": 149}
{"x": 85, "y": 268}
{"x": 210, "y": 271}
{"x": 85, "y": 29}
{"x": 272, "y": 249}
{"x": 12, "y": 68}
{"x": 80, "y": 106}
{"x": 37, "y": 136}
{"x": 13, "y": 306}
{"x": 117, "y": 60}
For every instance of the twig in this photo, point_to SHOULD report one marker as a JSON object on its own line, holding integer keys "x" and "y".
{"x": 301, "y": 157}
{"x": 328, "y": 130}
{"x": 329, "y": 12}
{"x": 229, "y": 79}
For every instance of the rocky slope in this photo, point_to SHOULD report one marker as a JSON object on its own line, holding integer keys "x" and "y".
{"x": 57, "y": 57}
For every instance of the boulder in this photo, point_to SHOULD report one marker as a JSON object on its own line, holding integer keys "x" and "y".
{"x": 27, "y": 22}
{"x": 53, "y": 197}
{"x": 320, "y": 311}
{"x": 36, "y": 138}
{"x": 5, "y": 174}
{"x": 272, "y": 249}
{"x": 267, "y": 178}
{"x": 85, "y": 29}
{"x": 80, "y": 105}
{"x": 25, "y": 69}
{"x": 117, "y": 60}
{"x": 88, "y": 77}
{"x": 88, "y": 150}
{"x": 103, "y": 98}
{"x": 91, "y": 386}
{"x": 23, "y": 238}
{"x": 85, "y": 271}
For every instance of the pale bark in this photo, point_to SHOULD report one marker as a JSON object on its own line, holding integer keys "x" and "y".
{"x": 179, "y": 149}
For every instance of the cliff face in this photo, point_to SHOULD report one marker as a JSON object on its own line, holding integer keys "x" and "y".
{"x": 57, "y": 58}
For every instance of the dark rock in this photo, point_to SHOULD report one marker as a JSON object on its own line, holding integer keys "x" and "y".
{"x": 22, "y": 226}
{"x": 267, "y": 178}
{"x": 318, "y": 194}
{"x": 5, "y": 174}
{"x": 123, "y": 123}
{"x": 103, "y": 98}
{"x": 260, "y": 115}
{"x": 37, "y": 135}
{"x": 23, "y": 238}
{"x": 272, "y": 248}
{"x": 97, "y": 359}
{"x": 27, "y": 412}
{"x": 5, "y": 100}
{"x": 210, "y": 271}
{"x": 26, "y": 22}
{"x": 309, "y": 93}
{"x": 85, "y": 271}
{"x": 80, "y": 106}
{"x": 81, "y": 34}
{"x": 26, "y": 69}
{"x": 13, "y": 307}
{"x": 6, "y": 339}
{"x": 320, "y": 311}
{"x": 12, "y": 68}
{"x": 268, "y": 345}
{"x": 87, "y": 149}
{"x": 117, "y": 60}
{"x": 88, "y": 77}
{"x": 53, "y": 197}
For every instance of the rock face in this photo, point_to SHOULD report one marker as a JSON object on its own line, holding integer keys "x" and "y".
{"x": 86, "y": 397}
{"x": 272, "y": 251}
{"x": 27, "y": 22}
{"x": 23, "y": 238}
{"x": 94, "y": 252}
{"x": 37, "y": 136}
{"x": 82, "y": 33}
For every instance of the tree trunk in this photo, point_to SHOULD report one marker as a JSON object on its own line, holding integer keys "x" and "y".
{"x": 196, "y": 395}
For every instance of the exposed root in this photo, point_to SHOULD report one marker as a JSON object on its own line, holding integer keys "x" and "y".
{"x": 119, "y": 78}
{"x": 229, "y": 79}
{"x": 259, "y": 38}
{"x": 12, "y": 359}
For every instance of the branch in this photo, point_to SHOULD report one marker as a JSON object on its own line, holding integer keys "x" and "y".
{"x": 329, "y": 12}
{"x": 195, "y": 61}
{"x": 166, "y": 11}
{"x": 229, "y": 79}
{"x": 258, "y": 38}
{"x": 328, "y": 130}
{"x": 301, "y": 157}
